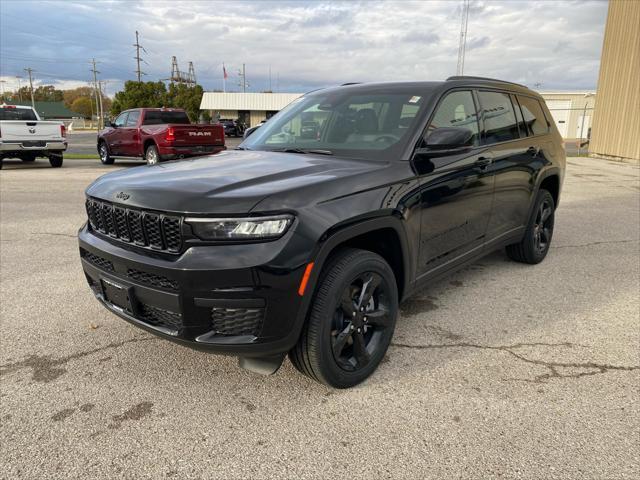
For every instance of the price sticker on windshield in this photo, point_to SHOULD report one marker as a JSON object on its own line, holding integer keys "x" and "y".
{"x": 414, "y": 99}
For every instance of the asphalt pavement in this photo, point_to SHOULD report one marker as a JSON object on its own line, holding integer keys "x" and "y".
{"x": 502, "y": 370}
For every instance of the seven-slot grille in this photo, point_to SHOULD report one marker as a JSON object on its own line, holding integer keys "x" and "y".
{"x": 138, "y": 227}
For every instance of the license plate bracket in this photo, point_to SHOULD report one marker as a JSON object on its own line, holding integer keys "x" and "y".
{"x": 117, "y": 295}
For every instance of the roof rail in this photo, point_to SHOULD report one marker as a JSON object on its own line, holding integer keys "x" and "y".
{"x": 471, "y": 77}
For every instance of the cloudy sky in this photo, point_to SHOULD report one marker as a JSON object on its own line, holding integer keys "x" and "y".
{"x": 306, "y": 44}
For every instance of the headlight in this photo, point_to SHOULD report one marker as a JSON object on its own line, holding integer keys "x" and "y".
{"x": 251, "y": 228}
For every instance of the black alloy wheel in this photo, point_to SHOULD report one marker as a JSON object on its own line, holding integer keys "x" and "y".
{"x": 359, "y": 321}
{"x": 351, "y": 319}
{"x": 534, "y": 246}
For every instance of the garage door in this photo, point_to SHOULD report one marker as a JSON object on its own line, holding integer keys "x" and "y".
{"x": 560, "y": 112}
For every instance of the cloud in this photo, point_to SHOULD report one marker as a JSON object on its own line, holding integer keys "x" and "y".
{"x": 306, "y": 44}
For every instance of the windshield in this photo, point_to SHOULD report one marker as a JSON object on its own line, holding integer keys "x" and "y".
{"x": 352, "y": 124}
{"x": 159, "y": 117}
{"x": 24, "y": 114}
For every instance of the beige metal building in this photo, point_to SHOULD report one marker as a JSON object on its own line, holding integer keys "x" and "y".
{"x": 251, "y": 107}
{"x": 616, "y": 122}
{"x": 571, "y": 111}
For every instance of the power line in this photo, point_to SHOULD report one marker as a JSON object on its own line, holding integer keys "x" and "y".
{"x": 98, "y": 91}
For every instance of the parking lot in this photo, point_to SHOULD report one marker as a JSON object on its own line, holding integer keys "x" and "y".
{"x": 501, "y": 370}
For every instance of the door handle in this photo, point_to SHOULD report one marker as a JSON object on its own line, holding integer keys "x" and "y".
{"x": 483, "y": 162}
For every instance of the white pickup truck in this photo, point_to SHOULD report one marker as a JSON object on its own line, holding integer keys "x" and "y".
{"x": 23, "y": 135}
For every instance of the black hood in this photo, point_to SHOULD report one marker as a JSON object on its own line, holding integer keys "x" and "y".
{"x": 230, "y": 182}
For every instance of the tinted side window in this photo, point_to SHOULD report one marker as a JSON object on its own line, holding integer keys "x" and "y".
{"x": 533, "y": 116}
{"x": 132, "y": 121}
{"x": 456, "y": 110}
{"x": 499, "y": 117}
{"x": 122, "y": 119}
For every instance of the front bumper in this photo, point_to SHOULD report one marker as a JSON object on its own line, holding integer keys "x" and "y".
{"x": 32, "y": 145}
{"x": 230, "y": 299}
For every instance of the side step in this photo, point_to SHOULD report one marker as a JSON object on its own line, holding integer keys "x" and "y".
{"x": 262, "y": 365}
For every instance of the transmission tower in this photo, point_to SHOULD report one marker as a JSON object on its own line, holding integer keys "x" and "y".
{"x": 179, "y": 77}
{"x": 138, "y": 59}
{"x": 463, "y": 37}
{"x": 191, "y": 76}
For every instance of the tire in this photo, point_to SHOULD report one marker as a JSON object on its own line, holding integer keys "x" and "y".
{"x": 1, "y": 163}
{"x": 151, "y": 155}
{"x": 341, "y": 344}
{"x": 30, "y": 157}
{"x": 55, "y": 159}
{"x": 105, "y": 157}
{"x": 533, "y": 248}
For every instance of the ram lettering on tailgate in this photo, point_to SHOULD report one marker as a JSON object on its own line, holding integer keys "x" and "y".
{"x": 199, "y": 134}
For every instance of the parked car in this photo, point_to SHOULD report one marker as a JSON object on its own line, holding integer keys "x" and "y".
{"x": 232, "y": 127}
{"x": 306, "y": 246}
{"x": 250, "y": 130}
{"x": 23, "y": 135}
{"x": 157, "y": 134}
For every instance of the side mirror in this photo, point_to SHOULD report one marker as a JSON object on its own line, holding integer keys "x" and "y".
{"x": 112, "y": 125}
{"x": 249, "y": 131}
{"x": 449, "y": 138}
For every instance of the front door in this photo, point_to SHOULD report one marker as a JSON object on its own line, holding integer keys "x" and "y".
{"x": 456, "y": 191}
{"x": 129, "y": 135}
{"x": 113, "y": 137}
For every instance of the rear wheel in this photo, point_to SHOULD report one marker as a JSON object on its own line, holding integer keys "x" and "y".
{"x": 151, "y": 155}
{"x": 351, "y": 320}
{"x": 537, "y": 238}
{"x": 103, "y": 151}
{"x": 55, "y": 159}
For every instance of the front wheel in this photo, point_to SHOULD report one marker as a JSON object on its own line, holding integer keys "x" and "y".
{"x": 537, "y": 238}
{"x": 351, "y": 320}
{"x": 55, "y": 159}
{"x": 151, "y": 155}
{"x": 103, "y": 151}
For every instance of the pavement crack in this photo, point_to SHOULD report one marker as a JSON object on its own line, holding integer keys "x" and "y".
{"x": 56, "y": 234}
{"x": 46, "y": 369}
{"x": 553, "y": 368}
{"x": 609, "y": 242}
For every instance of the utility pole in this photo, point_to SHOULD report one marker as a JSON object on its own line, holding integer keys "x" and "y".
{"x": 18, "y": 77}
{"x": 98, "y": 95}
{"x": 30, "y": 71}
{"x": 463, "y": 37}
{"x": 243, "y": 74}
{"x": 139, "y": 72}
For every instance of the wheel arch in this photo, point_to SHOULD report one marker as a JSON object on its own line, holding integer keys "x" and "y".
{"x": 385, "y": 236}
{"x": 147, "y": 143}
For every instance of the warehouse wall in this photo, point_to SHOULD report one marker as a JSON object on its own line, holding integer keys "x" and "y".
{"x": 616, "y": 122}
{"x": 568, "y": 110}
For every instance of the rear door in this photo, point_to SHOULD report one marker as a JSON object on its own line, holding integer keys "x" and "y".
{"x": 515, "y": 161}
{"x": 456, "y": 191}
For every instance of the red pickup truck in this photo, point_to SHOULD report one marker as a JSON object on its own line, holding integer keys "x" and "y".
{"x": 157, "y": 134}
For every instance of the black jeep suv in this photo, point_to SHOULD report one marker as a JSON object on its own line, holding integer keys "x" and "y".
{"x": 305, "y": 244}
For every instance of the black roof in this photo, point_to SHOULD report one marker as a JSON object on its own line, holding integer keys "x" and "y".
{"x": 433, "y": 85}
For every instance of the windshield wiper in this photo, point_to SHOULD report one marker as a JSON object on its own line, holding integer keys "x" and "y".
{"x": 306, "y": 150}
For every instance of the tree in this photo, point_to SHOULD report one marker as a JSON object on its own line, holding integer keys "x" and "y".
{"x": 139, "y": 95}
{"x": 70, "y": 96}
{"x": 188, "y": 98}
{"x": 46, "y": 93}
{"x": 83, "y": 106}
